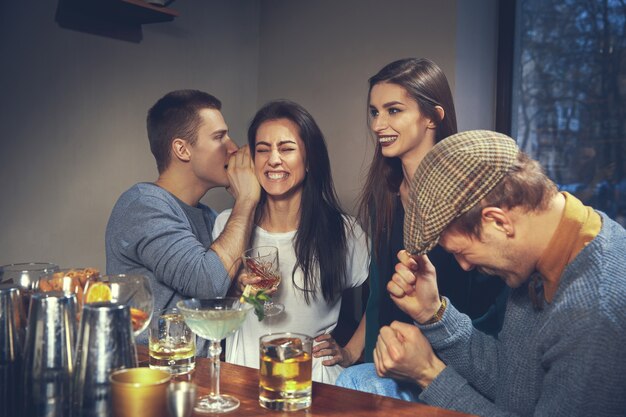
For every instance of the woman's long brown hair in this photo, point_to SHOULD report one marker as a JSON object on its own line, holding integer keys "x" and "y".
{"x": 426, "y": 83}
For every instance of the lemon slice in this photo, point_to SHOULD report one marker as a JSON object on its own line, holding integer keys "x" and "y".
{"x": 246, "y": 293}
{"x": 98, "y": 292}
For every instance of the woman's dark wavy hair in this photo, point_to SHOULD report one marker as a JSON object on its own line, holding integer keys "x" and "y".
{"x": 426, "y": 83}
{"x": 321, "y": 235}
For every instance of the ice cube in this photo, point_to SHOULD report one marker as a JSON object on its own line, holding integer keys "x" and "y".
{"x": 284, "y": 348}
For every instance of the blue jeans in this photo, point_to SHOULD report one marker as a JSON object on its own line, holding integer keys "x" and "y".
{"x": 364, "y": 378}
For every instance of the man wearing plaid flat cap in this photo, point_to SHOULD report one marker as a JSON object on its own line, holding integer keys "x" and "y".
{"x": 561, "y": 351}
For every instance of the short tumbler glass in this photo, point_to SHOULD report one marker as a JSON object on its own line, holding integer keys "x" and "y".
{"x": 172, "y": 344}
{"x": 139, "y": 392}
{"x": 285, "y": 371}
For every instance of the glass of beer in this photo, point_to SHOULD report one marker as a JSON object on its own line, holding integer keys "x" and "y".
{"x": 172, "y": 344}
{"x": 285, "y": 371}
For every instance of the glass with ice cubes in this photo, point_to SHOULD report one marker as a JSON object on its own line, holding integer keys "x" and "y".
{"x": 285, "y": 371}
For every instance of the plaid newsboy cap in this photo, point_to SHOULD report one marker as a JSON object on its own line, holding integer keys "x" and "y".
{"x": 453, "y": 177}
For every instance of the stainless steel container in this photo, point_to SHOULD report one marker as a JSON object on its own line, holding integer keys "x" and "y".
{"x": 181, "y": 398}
{"x": 105, "y": 343}
{"x": 49, "y": 354}
{"x": 12, "y": 318}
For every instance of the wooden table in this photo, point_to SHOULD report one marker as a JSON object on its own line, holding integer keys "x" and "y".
{"x": 328, "y": 400}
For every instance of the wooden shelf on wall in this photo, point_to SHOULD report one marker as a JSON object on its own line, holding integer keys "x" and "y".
{"x": 144, "y": 12}
{"x": 120, "y": 19}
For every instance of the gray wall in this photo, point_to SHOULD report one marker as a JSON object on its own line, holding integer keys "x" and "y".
{"x": 321, "y": 53}
{"x": 476, "y": 46}
{"x": 74, "y": 104}
{"x": 74, "y": 108}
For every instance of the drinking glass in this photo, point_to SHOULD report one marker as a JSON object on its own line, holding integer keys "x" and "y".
{"x": 26, "y": 275}
{"x": 285, "y": 371}
{"x": 132, "y": 290}
{"x": 214, "y": 319}
{"x": 139, "y": 392}
{"x": 262, "y": 262}
{"x": 70, "y": 281}
{"x": 171, "y": 344}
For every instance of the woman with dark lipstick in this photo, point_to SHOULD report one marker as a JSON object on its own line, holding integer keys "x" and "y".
{"x": 410, "y": 109}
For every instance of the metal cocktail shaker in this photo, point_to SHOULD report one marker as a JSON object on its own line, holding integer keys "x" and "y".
{"x": 49, "y": 354}
{"x": 105, "y": 343}
{"x": 12, "y": 318}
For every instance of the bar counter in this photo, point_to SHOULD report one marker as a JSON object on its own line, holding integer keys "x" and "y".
{"x": 328, "y": 400}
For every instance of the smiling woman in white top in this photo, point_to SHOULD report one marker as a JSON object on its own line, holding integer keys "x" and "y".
{"x": 322, "y": 251}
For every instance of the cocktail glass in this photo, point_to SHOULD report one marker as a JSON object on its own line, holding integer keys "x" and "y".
{"x": 262, "y": 262}
{"x": 214, "y": 319}
{"x": 132, "y": 290}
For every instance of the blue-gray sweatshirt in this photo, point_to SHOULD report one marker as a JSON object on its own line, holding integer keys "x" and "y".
{"x": 568, "y": 359}
{"x": 149, "y": 233}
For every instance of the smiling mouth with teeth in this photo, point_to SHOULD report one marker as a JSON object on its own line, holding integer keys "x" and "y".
{"x": 276, "y": 175}
{"x": 383, "y": 140}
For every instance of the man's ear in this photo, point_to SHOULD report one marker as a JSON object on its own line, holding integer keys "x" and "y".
{"x": 180, "y": 149}
{"x": 499, "y": 219}
{"x": 441, "y": 113}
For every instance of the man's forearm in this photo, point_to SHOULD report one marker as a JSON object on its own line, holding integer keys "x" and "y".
{"x": 234, "y": 239}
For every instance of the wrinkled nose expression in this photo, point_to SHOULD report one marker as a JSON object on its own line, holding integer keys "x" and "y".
{"x": 279, "y": 157}
{"x": 276, "y": 175}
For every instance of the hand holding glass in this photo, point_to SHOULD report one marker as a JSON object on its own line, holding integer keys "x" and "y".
{"x": 262, "y": 262}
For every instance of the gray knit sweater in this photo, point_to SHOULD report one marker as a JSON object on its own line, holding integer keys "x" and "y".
{"x": 149, "y": 233}
{"x": 568, "y": 359}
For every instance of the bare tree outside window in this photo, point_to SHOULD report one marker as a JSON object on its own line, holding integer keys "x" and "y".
{"x": 569, "y": 102}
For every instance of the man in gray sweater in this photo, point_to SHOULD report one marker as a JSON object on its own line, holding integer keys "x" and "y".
{"x": 161, "y": 229}
{"x": 561, "y": 351}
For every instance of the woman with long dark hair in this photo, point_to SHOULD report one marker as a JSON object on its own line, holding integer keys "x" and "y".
{"x": 410, "y": 109}
{"x": 322, "y": 251}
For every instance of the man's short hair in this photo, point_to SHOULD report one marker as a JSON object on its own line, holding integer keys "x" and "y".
{"x": 176, "y": 115}
{"x": 460, "y": 174}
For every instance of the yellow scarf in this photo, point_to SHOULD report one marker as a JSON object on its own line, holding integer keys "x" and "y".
{"x": 579, "y": 225}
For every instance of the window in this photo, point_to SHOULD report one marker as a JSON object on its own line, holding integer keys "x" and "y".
{"x": 568, "y": 107}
